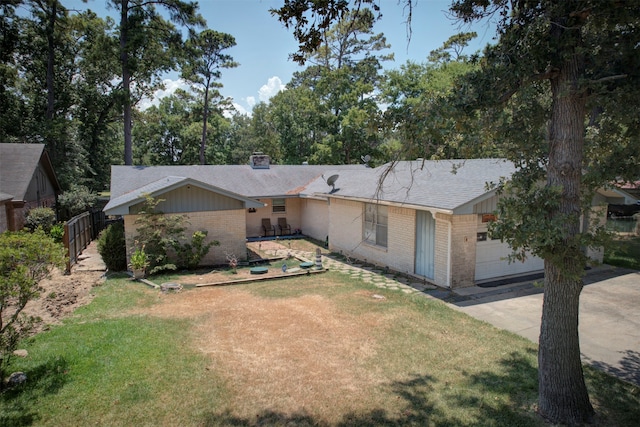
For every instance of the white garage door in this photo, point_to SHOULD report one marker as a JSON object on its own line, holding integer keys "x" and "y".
{"x": 492, "y": 262}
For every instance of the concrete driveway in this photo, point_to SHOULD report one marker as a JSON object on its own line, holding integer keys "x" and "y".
{"x": 609, "y": 316}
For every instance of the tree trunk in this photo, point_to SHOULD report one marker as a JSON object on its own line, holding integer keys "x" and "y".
{"x": 126, "y": 83}
{"x": 563, "y": 396}
{"x": 51, "y": 27}
{"x": 205, "y": 116}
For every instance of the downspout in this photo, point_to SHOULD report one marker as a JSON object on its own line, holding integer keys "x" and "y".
{"x": 449, "y": 232}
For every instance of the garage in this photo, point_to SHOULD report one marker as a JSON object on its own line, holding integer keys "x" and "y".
{"x": 492, "y": 262}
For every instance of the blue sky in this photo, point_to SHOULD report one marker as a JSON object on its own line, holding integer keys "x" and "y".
{"x": 264, "y": 44}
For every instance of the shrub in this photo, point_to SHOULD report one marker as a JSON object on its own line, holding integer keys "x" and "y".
{"x": 57, "y": 232}
{"x": 40, "y": 217}
{"x": 190, "y": 254}
{"x": 77, "y": 199}
{"x": 25, "y": 259}
{"x": 163, "y": 238}
{"x": 112, "y": 247}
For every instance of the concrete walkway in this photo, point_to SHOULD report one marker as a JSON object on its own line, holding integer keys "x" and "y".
{"x": 90, "y": 259}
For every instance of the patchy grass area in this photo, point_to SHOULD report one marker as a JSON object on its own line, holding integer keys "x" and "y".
{"x": 624, "y": 252}
{"x": 321, "y": 350}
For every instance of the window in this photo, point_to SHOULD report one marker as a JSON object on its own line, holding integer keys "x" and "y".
{"x": 375, "y": 224}
{"x": 278, "y": 206}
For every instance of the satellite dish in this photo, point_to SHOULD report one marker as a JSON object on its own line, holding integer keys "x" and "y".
{"x": 332, "y": 181}
{"x": 366, "y": 158}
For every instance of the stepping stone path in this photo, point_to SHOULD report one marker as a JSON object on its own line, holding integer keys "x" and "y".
{"x": 368, "y": 274}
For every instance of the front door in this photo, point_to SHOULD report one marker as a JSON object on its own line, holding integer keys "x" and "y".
{"x": 425, "y": 243}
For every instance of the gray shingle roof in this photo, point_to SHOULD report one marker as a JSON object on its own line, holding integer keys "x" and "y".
{"x": 277, "y": 181}
{"x": 18, "y": 162}
{"x": 445, "y": 184}
{"x": 120, "y": 204}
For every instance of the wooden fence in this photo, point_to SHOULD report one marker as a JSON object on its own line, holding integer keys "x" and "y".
{"x": 79, "y": 231}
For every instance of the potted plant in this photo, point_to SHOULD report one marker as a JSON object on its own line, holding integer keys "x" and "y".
{"x": 138, "y": 263}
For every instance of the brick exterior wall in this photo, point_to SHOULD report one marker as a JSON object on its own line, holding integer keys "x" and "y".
{"x": 401, "y": 239}
{"x": 314, "y": 218}
{"x": 441, "y": 259}
{"x": 463, "y": 250}
{"x": 345, "y": 235}
{"x": 228, "y": 227}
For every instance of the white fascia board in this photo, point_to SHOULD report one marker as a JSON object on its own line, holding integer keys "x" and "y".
{"x": 394, "y": 204}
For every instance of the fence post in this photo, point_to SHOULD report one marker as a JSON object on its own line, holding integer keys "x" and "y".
{"x": 65, "y": 242}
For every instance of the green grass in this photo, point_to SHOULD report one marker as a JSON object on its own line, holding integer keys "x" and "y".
{"x": 111, "y": 365}
{"x": 98, "y": 369}
{"x": 624, "y": 252}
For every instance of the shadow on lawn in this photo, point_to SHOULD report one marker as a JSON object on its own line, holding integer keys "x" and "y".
{"x": 628, "y": 369}
{"x": 418, "y": 405}
{"x": 618, "y": 403}
{"x": 16, "y": 404}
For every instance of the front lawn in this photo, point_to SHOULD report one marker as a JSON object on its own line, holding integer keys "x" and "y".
{"x": 320, "y": 350}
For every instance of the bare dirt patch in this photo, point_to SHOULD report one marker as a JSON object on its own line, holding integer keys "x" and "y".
{"x": 61, "y": 295}
{"x": 287, "y": 355}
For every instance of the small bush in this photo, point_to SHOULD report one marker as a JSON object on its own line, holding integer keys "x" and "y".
{"x": 190, "y": 254}
{"x": 112, "y": 247}
{"x": 57, "y": 233}
{"x": 40, "y": 217}
{"x": 77, "y": 199}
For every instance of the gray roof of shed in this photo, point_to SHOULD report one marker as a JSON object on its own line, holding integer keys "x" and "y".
{"x": 444, "y": 184}
{"x": 18, "y": 163}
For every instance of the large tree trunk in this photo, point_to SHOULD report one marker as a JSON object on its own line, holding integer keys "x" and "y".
{"x": 563, "y": 396}
{"x": 126, "y": 82}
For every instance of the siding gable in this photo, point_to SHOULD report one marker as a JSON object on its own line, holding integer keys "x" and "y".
{"x": 190, "y": 198}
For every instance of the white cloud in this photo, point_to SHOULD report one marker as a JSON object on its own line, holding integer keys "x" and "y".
{"x": 170, "y": 87}
{"x": 239, "y": 109}
{"x": 251, "y": 101}
{"x": 273, "y": 86}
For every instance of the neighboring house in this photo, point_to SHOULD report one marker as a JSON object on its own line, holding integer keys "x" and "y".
{"x": 27, "y": 180}
{"x": 426, "y": 218}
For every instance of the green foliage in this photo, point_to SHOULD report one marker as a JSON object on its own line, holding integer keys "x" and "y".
{"x": 57, "y": 232}
{"x": 189, "y": 255}
{"x": 159, "y": 234}
{"x": 43, "y": 218}
{"x": 25, "y": 259}
{"x": 162, "y": 237}
{"x": 139, "y": 259}
{"x": 77, "y": 199}
{"x": 112, "y": 247}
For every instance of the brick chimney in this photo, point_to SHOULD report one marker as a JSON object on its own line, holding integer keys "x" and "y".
{"x": 259, "y": 160}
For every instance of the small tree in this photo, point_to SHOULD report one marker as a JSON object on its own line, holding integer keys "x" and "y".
{"x": 77, "y": 199}
{"x": 25, "y": 259}
{"x": 164, "y": 240}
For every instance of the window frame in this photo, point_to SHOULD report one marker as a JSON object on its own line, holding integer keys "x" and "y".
{"x": 375, "y": 225}
{"x": 279, "y": 207}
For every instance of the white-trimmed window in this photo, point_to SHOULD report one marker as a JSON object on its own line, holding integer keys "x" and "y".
{"x": 375, "y": 224}
{"x": 278, "y": 206}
